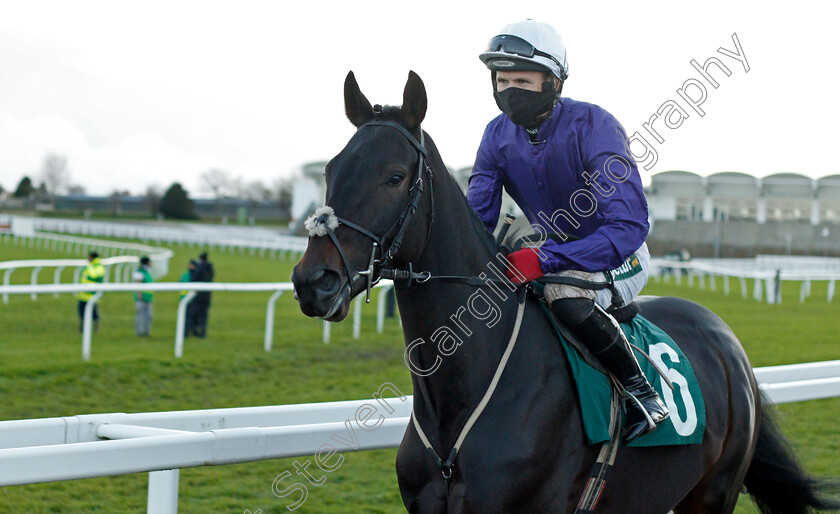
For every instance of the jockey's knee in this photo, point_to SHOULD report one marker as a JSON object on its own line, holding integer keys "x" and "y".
{"x": 573, "y": 311}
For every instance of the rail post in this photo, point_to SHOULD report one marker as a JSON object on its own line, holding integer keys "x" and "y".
{"x": 163, "y": 492}
{"x": 87, "y": 327}
{"x": 180, "y": 324}
{"x": 269, "y": 320}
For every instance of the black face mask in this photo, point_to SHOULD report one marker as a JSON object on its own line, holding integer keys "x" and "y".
{"x": 523, "y": 107}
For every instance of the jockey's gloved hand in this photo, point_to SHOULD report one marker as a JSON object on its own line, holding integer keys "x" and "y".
{"x": 527, "y": 263}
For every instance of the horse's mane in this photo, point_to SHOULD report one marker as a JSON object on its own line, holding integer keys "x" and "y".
{"x": 475, "y": 222}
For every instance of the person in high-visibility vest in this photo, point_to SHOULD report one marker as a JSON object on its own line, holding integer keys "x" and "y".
{"x": 143, "y": 299}
{"x": 94, "y": 273}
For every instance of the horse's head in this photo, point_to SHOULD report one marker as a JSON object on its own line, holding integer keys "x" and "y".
{"x": 377, "y": 214}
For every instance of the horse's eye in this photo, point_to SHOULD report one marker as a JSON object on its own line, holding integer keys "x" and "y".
{"x": 395, "y": 179}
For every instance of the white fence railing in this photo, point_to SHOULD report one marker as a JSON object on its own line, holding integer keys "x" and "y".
{"x": 122, "y": 264}
{"x": 767, "y": 272}
{"x": 221, "y": 237}
{"x": 278, "y": 288}
{"x": 71, "y": 448}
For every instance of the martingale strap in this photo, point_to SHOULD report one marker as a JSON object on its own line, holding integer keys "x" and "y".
{"x": 446, "y": 466}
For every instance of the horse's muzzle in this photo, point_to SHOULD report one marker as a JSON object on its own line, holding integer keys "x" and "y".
{"x": 321, "y": 293}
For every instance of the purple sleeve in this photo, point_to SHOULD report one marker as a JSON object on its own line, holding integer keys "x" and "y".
{"x": 484, "y": 193}
{"x": 621, "y": 208}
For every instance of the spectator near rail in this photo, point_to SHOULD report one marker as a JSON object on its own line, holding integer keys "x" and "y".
{"x": 143, "y": 299}
{"x": 94, "y": 273}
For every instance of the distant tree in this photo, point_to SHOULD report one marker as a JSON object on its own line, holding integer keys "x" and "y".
{"x": 282, "y": 194}
{"x": 152, "y": 199}
{"x": 41, "y": 193}
{"x": 2, "y": 190}
{"x": 176, "y": 203}
{"x": 257, "y": 191}
{"x": 284, "y": 203}
{"x": 115, "y": 201}
{"x": 54, "y": 173}
{"x": 24, "y": 188}
{"x": 76, "y": 189}
{"x": 215, "y": 181}
{"x": 237, "y": 188}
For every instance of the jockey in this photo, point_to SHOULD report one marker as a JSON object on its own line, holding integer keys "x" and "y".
{"x": 568, "y": 166}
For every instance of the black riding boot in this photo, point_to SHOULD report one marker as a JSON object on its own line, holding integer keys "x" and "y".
{"x": 603, "y": 337}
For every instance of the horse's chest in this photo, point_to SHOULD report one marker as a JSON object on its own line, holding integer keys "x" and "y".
{"x": 520, "y": 462}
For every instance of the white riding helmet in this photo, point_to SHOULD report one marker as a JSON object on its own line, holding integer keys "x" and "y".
{"x": 527, "y": 46}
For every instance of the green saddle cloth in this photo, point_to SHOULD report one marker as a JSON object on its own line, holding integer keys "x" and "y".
{"x": 687, "y": 421}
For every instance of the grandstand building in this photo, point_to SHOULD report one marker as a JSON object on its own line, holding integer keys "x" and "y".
{"x": 732, "y": 214}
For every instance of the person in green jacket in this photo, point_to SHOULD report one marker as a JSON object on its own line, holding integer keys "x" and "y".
{"x": 94, "y": 273}
{"x": 189, "y": 276}
{"x": 143, "y": 299}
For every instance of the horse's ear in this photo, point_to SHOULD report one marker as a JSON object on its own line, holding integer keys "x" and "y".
{"x": 414, "y": 101}
{"x": 356, "y": 106}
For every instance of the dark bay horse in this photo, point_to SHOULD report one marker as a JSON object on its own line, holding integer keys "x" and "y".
{"x": 394, "y": 211}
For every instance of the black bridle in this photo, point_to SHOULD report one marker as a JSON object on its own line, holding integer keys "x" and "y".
{"x": 380, "y": 264}
{"x": 384, "y": 261}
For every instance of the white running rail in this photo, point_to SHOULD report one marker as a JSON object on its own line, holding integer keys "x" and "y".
{"x": 72, "y": 447}
{"x": 278, "y": 288}
{"x": 767, "y": 271}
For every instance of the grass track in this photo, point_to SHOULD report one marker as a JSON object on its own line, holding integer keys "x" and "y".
{"x": 42, "y": 375}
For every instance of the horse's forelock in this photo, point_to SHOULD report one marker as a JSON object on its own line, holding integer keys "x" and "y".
{"x": 386, "y": 113}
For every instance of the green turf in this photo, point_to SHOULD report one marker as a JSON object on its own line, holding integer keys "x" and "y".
{"x": 42, "y": 375}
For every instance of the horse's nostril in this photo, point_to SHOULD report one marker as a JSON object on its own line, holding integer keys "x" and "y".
{"x": 325, "y": 281}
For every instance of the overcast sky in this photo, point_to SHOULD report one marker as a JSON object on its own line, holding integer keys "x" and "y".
{"x": 143, "y": 93}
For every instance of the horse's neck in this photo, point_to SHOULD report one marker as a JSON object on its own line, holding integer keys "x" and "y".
{"x": 456, "y": 229}
{"x": 439, "y": 310}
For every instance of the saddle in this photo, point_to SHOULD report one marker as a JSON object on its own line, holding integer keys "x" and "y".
{"x": 643, "y": 335}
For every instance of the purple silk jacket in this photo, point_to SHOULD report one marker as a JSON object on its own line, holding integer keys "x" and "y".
{"x": 581, "y": 181}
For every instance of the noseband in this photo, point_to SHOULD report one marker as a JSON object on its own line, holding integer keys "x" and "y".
{"x": 324, "y": 223}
